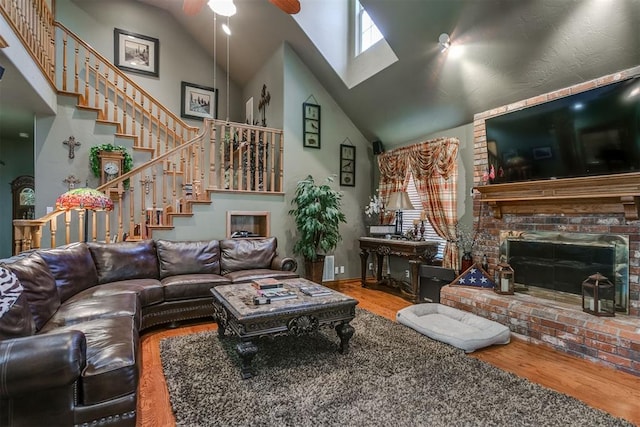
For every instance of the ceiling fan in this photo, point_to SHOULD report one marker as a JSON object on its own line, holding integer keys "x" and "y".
{"x": 192, "y": 7}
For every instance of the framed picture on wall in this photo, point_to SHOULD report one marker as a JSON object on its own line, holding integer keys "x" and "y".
{"x": 311, "y": 125}
{"x": 136, "y": 53}
{"x": 198, "y": 102}
{"x": 347, "y": 165}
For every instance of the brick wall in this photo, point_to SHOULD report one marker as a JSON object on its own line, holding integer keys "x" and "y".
{"x": 611, "y": 341}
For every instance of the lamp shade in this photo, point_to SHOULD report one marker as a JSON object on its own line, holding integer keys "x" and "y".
{"x": 399, "y": 201}
{"x": 84, "y": 198}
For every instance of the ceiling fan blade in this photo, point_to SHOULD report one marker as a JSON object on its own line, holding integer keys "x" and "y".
{"x": 289, "y": 6}
{"x": 192, "y": 7}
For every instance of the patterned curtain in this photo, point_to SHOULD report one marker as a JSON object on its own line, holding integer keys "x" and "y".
{"x": 435, "y": 173}
{"x": 394, "y": 176}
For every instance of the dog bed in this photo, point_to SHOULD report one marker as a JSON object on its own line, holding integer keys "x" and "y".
{"x": 458, "y": 328}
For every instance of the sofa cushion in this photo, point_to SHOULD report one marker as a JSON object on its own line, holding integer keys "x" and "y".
{"x": 112, "y": 358}
{"x": 258, "y": 273}
{"x": 39, "y": 286}
{"x": 125, "y": 260}
{"x": 72, "y": 267}
{"x": 79, "y": 309}
{"x": 185, "y": 257}
{"x": 148, "y": 291}
{"x": 189, "y": 286}
{"x": 246, "y": 254}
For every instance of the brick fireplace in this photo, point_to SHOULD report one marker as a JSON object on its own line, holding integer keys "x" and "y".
{"x": 610, "y": 208}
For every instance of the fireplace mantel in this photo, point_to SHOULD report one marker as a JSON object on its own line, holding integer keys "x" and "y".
{"x": 606, "y": 194}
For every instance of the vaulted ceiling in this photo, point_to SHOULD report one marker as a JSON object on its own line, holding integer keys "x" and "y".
{"x": 512, "y": 50}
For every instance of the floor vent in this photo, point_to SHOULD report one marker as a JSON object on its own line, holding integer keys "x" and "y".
{"x": 328, "y": 273}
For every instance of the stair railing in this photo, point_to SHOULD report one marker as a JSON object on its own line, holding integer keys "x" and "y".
{"x": 150, "y": 196}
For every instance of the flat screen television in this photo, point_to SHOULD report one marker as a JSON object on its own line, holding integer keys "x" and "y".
{"x": 596, "y": 132}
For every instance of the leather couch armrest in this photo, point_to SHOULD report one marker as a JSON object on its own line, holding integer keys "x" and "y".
{"x": 284, "y": 263}
{"x": 40, "y": 362}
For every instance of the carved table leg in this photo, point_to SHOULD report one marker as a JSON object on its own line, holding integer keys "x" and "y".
{"x": 246, "y": 350}
{"x": 415, "y": 279}
{"x": 345, "y": 332}
{"x": 364, "y": 257}
{"x": 220, "y": 316}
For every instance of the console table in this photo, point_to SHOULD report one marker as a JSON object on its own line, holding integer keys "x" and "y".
{"x": 417, "y": 252}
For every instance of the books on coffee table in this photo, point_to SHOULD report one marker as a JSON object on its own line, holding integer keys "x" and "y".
{"x": 277, "y": 294}
{"x": 315, "y": 291}
{"x": 267, "y": 283}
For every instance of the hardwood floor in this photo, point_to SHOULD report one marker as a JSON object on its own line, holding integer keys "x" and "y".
{"x": 612, "y": 391}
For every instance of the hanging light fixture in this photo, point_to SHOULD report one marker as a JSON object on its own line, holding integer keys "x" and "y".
{"x": 444, "y": 41}
{"x": 222, "y": 7}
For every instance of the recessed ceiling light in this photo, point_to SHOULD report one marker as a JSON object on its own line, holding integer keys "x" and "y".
{"x": 444, "y": 41}
{"x": 23, "y": 135}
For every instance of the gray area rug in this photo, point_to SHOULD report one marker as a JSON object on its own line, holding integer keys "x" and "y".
{"x": 392, "y": 376}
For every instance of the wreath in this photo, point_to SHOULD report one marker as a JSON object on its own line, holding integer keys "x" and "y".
{"x": 94, "y": 160}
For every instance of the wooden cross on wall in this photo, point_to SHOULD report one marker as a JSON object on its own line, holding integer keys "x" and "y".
{"x": 72, "y": 144}
{"x": 71, "y": 182}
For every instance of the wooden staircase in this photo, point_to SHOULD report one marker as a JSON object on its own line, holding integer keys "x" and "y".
{"x": 187, "y": 164}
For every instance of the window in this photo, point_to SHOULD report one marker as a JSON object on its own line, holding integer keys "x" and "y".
{"x": 409, "y": 215}
{"x": 367, "y": 33}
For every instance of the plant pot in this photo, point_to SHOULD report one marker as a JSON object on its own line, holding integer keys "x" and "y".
{"x": 313, "y": 270}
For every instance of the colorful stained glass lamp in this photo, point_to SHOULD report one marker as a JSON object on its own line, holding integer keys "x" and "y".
{"x": 82, "y": 200}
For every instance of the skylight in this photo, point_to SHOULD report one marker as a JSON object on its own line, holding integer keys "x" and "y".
{"x": 368, "y": 34}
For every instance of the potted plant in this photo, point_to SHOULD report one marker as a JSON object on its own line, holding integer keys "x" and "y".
{"x": 317, "y": 216}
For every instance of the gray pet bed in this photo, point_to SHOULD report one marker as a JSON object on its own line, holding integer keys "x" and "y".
{"x": 452, "y": 326}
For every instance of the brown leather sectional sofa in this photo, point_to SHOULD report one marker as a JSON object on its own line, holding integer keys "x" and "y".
{"x": 69, "y": 344}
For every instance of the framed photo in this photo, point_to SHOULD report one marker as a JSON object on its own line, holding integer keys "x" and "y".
{"x": 311, "y": 125}
{"x": 136, "y": 53}
{"x": 347, "y": 165}
{"x": 198, "y": 102}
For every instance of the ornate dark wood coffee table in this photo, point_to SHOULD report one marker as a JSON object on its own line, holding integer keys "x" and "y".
{"x": 235, "y": 313}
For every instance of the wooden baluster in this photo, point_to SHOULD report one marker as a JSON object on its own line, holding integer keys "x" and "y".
{"x": 106, "y": 94}
{"x": 115, "y": 97}
{"x": 64, "y": 61}
{"x": 174, "y": 184}
{"x": 53, "y": 228}
{"x": 67, "y": 227}
{"x": 18, "y": 242}
{"x": 75, "y": 68}
{"x": 96, "y": 100}
{"x": 281, "y": 162}
{"x": 107, "y": 226}
{"x": 94, "y": 226}
{"x": 87, "y": 72}
{"x": 120, "y": 210}
{"x": 136, "y": 142}
{"x": 272, "y": 162}
{"x": 125, "y": 102}
{"x": 143, "y": 207}
{"x": 81, "y": 220}
{"x": 132, "y": 219}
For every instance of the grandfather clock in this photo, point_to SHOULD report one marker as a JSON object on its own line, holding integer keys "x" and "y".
{"x": 111, "y": 165}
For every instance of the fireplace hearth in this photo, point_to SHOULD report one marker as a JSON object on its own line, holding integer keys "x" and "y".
{"x": 560, "y": 262}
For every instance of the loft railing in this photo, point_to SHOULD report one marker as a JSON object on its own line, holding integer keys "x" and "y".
{"x": 150, "y": 196}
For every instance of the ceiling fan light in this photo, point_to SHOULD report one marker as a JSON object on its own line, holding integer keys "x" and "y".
{"x": 222, "y": 7}
{"x": 444, "y": 41}
{"x": 226, "y": 29}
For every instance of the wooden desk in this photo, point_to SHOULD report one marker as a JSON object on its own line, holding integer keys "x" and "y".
{"x": 417, "y": 252}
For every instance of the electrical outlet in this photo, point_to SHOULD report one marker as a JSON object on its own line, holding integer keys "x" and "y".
{"x": 407, "y": 274}
{"x": 370, "y": 266}
{"x": 342, "y": 269}
{"x": 337, "y": 270}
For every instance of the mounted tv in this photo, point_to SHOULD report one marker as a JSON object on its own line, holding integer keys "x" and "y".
{"x": 596, "y": 132}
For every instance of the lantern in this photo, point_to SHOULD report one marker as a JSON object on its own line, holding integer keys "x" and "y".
{"x": 598, "y": 296}
{"x": 504, "y": 279}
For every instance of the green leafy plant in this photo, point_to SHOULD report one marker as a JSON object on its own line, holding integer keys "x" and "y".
{"x": 317, "y": 216}
{"x": 94, "y": 159}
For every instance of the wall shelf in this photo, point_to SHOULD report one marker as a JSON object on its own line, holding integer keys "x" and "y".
{"x": 256, "y": 223}
{"x": 594, "y": 194}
